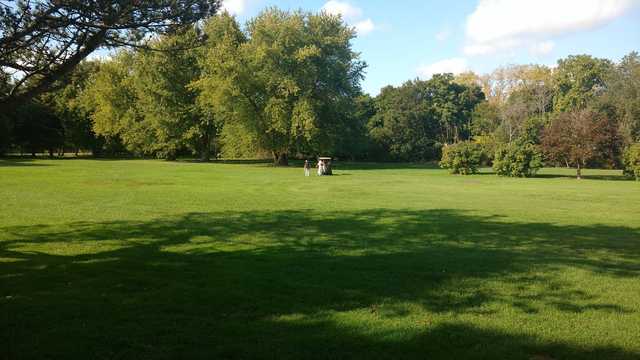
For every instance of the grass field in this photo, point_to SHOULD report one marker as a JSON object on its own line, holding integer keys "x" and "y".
{"x": 142, "y": 259}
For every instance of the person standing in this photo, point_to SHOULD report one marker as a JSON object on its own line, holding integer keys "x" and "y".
{"x": 307, "y": 168}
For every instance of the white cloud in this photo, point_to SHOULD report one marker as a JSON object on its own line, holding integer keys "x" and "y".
{"x": 234, "y": 7}
{"x": 350, "y": 14}
{"x": 343, "y": 8}
{"x": 542, "y": 48}
{"x": 497, "y": 25}
{"x": 452, "y": 65}
{"x": 364, "y": 27}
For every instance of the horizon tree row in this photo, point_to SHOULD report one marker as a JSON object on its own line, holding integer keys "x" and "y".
{"x": 287, "y": 84}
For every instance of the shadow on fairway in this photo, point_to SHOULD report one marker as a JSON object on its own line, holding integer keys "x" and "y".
{"x": 587, "y": 177}
{"x": 13, "y": 162}
{"x": 270, "y": 284}
{"x": 383, "y": 166}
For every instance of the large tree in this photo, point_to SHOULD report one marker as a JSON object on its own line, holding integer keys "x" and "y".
{"x": 41, "y": 41}
{"x": 145, "y": 98}
{"x": 578, "y": 80}
{"x": 575, "y": 137}
{"x": 291, "y": 78}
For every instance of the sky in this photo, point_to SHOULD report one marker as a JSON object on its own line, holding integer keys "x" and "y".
{"x": 407, "y": 39}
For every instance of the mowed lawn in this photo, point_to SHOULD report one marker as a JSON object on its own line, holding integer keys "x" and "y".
{"x": 142, "y": 259}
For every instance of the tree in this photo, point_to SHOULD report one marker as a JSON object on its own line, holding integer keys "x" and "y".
{"x": 578, "y": 80}
{"x": 623, "y": 93}
{"x": 37, "y": 129}
{"x": 5, "y": 119}
{"x": 485, "y": 119}
{"x": 68, "y": 107}
{"x": 291, "y": 81}
{"x": 352, "y": 138}
{"x": 503, "y": 81}
{"x": 41, "y": 41}
{"x": 111, "y": 98}
{"x": 217, "y": 84}
{"x": 167, "y": 103}
{"x": 145, "y": 98}
{"x": 404, "y": 124}
{"x": 574, "y": 138}
{"x": 452, "y": 104}
{"x": 413, "y": 120}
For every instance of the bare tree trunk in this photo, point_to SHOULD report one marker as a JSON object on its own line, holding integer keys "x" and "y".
{"x": 579, "y": 172}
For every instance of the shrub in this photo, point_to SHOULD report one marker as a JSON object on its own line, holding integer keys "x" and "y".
{"x": 517, "y": 160}
{"x": 631, "y": 161}
{"x": 462, "y": 158}
{"x": 488, "y": 143}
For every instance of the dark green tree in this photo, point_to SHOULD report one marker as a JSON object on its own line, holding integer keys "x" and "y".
{"x": 414, "y": 120}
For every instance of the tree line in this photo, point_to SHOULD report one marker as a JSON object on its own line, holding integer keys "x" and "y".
{"x": 287, "y": 84}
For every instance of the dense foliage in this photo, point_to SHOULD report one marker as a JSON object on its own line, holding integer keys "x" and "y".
{"x": 292, "y": 78}
{"x": 287, "y": 84}
{"x": 517, "y": 160}
{"x": 632, "y": 161}
{"x": 574, "y": 138}
{"x": 413, "y": 121}
{"x": 462, "y": 158}
{"x": 42, "y": 41}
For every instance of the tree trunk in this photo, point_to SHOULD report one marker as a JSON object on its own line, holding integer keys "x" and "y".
{"x": 205, "y": 154}
{"x": 51, "y": 153}
{"x": 578, "y": 172}
{"x": 280, "y": 159}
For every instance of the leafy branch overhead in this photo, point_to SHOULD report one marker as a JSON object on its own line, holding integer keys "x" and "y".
{"x": 41, "y": 41}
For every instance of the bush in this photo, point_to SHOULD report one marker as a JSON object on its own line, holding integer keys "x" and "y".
{"x": 462, "y": 158}
{"x": 488, "y": 143}
{"x": 517, "y": 160}
{"x": 631, "y": 161}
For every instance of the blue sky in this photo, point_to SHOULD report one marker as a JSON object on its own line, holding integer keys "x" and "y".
{"x": 402, "y": 40}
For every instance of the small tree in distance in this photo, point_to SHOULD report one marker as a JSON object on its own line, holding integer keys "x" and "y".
{"x": 573, "y": 138}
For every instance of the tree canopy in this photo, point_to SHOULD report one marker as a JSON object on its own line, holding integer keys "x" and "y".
{"x": 41, "y": 41}
{"x": 292, "y": 77}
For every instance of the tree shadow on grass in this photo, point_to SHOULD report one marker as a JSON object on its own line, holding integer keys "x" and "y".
{"x": 348, "y": 165}
{"x": 16, "y": 162}
{"x": 586, "y": 177}
{"x": 276, "y": 284}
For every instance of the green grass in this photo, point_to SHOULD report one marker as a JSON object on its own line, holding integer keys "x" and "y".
{"x": 141, "y": 259}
